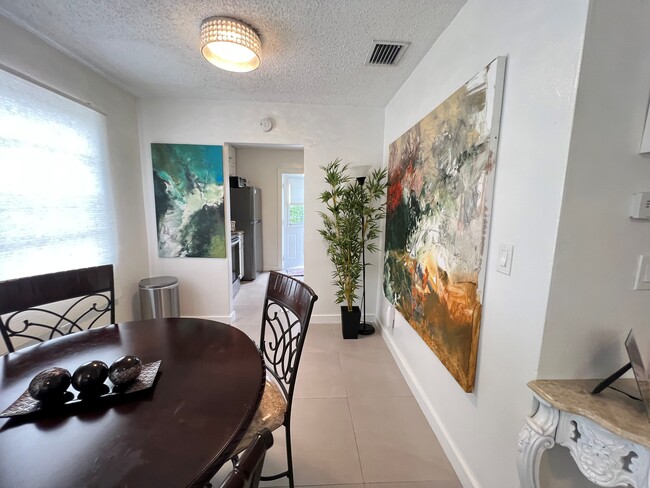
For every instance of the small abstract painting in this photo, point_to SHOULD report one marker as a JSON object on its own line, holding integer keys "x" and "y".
{"x": 440, "y": 179}
{"x": 189, "y": 191}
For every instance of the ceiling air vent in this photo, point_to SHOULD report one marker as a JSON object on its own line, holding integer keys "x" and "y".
{"x": 386, "y": 53}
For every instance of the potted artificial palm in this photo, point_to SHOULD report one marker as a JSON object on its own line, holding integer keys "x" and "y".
{"x": 350, "y": 224}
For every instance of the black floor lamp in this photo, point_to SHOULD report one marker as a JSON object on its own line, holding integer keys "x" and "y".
{"x": 364, "y": 327}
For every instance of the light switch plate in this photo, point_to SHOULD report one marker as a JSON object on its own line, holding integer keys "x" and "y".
{"x": 390, "y": 316}
{"x": 640, "y": 207}
{"x": 504, "y": 257}
{"x": 642, "y": 278}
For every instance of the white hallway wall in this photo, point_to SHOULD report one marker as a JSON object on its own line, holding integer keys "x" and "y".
{"x": 543, "y": 44}
{"x": 27, "y": 54}
{"x": 597, "y": 241}
{"x": 592, "y": 305}
{"x": 260, "y": 165}
{"x": 326, "y": 132}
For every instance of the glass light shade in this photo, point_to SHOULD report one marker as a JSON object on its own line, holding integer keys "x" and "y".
{"x": 359, "y": 171}
{"x": 230, "y": 44}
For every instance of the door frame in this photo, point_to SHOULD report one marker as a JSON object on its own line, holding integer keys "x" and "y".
{"x": 284, "y": 171}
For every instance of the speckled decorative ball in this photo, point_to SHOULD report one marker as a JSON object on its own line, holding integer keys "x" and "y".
{"x": 125, "y": 369}
{"x": 90, "y": 376}
{"x": 49, "y": 385}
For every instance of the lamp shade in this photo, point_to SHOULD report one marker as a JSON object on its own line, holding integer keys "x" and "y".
{"x": 230, "y": 44}
{"x": 359, "y": 172}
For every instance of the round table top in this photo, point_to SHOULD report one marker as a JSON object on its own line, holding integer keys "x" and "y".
{"x": 176, "y": 434}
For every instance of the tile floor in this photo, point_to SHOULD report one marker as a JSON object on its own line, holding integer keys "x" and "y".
{"x": 355, "y": 423}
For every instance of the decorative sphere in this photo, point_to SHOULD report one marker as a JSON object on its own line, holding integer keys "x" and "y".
{"x": 125, "y": 369}
{"x": 90, "y": 376}
{"x": 50, "y": 384}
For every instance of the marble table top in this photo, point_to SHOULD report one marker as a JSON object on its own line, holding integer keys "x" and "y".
{"x": 610, "y": 409}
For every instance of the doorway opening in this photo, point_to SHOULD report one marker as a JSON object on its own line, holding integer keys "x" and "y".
{"x": 261, "y": 166}
{"x": 293, "y": 223}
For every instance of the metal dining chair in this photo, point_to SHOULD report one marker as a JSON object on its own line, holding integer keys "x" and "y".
{"x": 40, "y": 308}
{"x": 285, "y": 319}
{"x": 248, "y": 470}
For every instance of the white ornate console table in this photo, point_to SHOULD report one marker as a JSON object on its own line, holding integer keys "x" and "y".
{"x": 607, "y": 434}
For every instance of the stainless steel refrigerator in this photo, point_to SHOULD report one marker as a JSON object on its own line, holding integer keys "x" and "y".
{"x": 246, "y": 211}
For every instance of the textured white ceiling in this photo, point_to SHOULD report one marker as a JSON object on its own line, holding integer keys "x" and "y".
{"x": 313, "y": 51}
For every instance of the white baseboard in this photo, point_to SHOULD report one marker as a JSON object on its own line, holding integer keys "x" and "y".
{"x": 334, "y": 318}
{"x": 325, "y": 318}
{"x": 226, "y": 319}
{"x": 465, "y": 475}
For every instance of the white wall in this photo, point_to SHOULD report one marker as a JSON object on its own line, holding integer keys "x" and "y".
{"x": 230, "y": 157}
{"x": 592, "y": 305}
{"x": 27, "y": 54}
{"x": 260, "y": 166}
{"x": 326, "y": 132}
{"x": 542, "y": 42}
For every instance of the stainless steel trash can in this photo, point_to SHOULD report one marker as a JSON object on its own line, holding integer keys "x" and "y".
{"x": 159, "y": 297}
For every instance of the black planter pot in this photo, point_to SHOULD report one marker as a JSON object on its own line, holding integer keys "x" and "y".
{"x": 350, "y": 322}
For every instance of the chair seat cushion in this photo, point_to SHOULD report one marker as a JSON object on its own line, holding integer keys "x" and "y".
{"x": 270, "y": 414}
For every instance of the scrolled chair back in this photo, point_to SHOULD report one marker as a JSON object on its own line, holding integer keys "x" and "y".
{"x": 285, "y": 319}
{"x": 43, "y": 307}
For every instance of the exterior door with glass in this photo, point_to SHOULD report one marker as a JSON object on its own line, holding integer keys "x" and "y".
{"x": 293, "y": 220}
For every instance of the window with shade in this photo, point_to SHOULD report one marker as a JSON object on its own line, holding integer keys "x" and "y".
{"x": 56, "y": 209}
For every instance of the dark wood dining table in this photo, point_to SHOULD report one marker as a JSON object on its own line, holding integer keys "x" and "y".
{"x": 177, "y": 434}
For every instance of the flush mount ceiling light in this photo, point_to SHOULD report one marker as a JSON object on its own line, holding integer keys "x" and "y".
{"x": 230, "y": 44}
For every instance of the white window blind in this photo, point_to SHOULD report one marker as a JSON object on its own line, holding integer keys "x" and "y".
{"x": 55, "y": 199}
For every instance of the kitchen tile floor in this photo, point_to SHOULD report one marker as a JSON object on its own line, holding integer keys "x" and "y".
{"x": 355, "y": 423}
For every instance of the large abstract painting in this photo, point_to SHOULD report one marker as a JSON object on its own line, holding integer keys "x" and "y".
{"x": 188, "y": 191}
{"x": 440, "y": 177}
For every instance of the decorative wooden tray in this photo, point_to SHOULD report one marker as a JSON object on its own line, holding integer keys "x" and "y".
{"x": 25, "y": 404}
